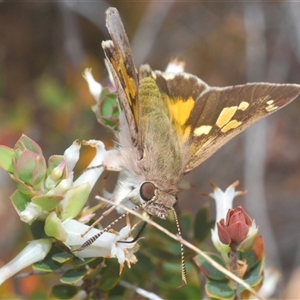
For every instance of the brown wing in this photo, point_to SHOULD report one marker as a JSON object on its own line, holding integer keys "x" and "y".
{"x": 222, "y": 113}
{"x": 120, "y": 61}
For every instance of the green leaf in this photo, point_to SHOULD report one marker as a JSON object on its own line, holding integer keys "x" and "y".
{"x": 207, "y": 269}
{"x": 54, "y": 228}
{"x": 253, "y": 281}
{"x": 250, "y": 257}
{"x": 31, "y": 167}
{"x": 82, "y": 262}
{"x": 47, "y": 202}
{"x": 6, "y": 155}
{"x": 187, "y": 222}
{"x": 95, "y": 263}
{"x": 48, "y": 264}
{"x": 64, "y": 291}
{"x": 23, "y": 187}
{"x": 107, "y": 110}
{"x": 73, "y": 276}
{"x": 109, "y": 104}
{"x": 27, "y": 143}
{"x": 219, "y": 290}
{"x": 75, "y": 199}
{"x": 191, "y": 292}
{"x": 202, "y": 225}
{"x": 37, "y": 230}
{"x": 19, "y": 200}
{"x": 145, "y": 263}
{"x": 254, "y": 276}
{"x": 62, "y": 257}
{"x": 259, "y": 268}
{"x": 110, "y": 276}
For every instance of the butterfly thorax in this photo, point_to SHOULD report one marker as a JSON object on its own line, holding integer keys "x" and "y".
{"x": 163, "y": 158}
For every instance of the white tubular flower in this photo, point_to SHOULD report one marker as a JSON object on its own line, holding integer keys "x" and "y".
{"x": 63, "y": 186}
{"x": 121, "y": 250}
{"x": 35, "y": 251}
{"x": 224, "y": 200}
{"x": 93, "y": 171}
{"x": 72, "y": 155}
{"x": 75, "y": 198}
{"x": 94, "y": 86}
{"x": 30, "y": 213}
{"x": 105, "y": 246}
{"x": 101, "y": 247}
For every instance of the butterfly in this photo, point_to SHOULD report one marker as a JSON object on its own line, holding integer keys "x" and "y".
{"x": 170, "y": 123}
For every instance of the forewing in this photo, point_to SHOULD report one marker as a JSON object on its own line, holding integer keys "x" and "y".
{"x": 222, "y": 113}
{"x": 120, "y": 62}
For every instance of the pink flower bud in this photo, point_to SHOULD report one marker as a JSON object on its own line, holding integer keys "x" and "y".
{"x": 236, "y": 227}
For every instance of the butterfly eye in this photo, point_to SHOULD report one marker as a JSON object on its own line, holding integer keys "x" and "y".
{"x": 147, "y": 191}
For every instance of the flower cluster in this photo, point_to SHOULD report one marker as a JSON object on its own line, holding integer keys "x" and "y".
{"x": 242, "y": 250}
{"x": 233, "y": 227}
{"x": 51, "y": 195}
{"x": 48, "y": 192}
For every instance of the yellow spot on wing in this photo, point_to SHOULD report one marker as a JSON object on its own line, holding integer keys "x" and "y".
{"x": 270, "y": 102}
{"x": 243, "y": 105}
{"x": 231, "y": 125}
{"x": 130, "y": 88}
{"x": 225, "y": 116}
{"x": 180, "y": 109}
{"x": 203, "y": 129}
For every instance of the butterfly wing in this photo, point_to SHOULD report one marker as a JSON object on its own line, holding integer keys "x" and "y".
{"x": 222, "y": 113}
{"x": 121, "y": 65}
{"x": 205, "y": 118}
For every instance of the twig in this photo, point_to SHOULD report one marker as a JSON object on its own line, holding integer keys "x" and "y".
{"x": 140, "y": 291}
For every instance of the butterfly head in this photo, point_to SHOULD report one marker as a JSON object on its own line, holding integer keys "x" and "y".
{"x": 146, "y": 194}
{"x": 156, "y": 202}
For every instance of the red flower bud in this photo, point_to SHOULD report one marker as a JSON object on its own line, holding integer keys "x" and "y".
{"x": 236, "y": 227}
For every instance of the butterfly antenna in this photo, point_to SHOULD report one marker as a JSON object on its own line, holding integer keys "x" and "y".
{"x": 104, "y": 214}
{"x": 92, "y": 239}
{"x": 183, "y": 267}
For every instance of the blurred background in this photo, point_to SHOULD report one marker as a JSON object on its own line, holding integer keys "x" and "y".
{"x": 46, "y": 45}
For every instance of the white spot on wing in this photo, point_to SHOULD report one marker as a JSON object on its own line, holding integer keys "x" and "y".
{"x": 203, "y": 129}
